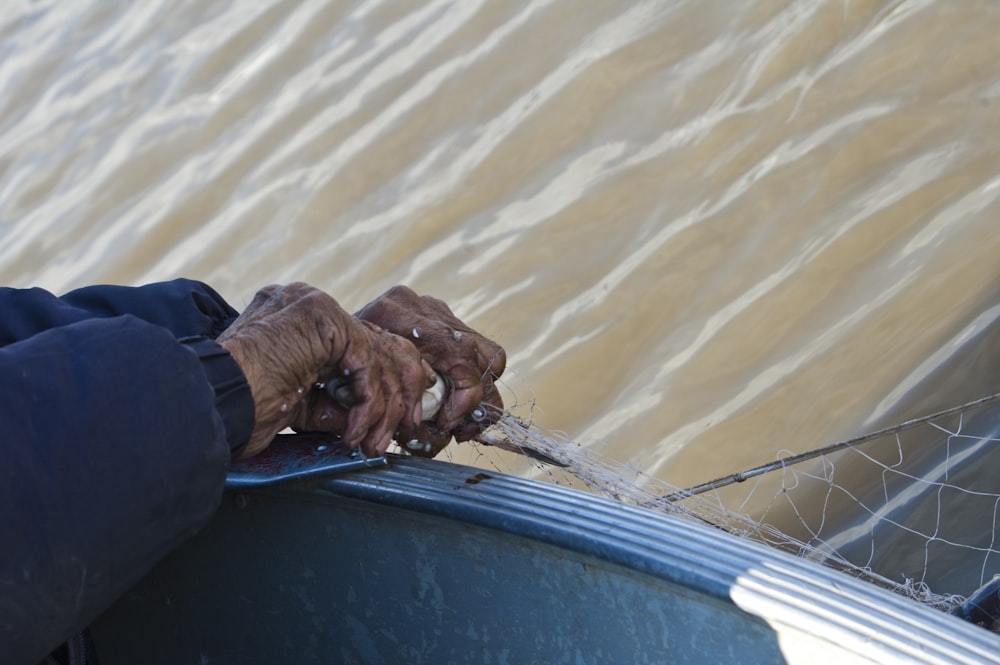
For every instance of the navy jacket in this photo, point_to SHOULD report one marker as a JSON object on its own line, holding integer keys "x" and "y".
{"x": 118, "y": 416}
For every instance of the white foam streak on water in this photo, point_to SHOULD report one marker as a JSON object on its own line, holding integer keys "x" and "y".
{"x": 964, "y": 211}
{"x": 933, "y": 362}
{"x": 884, "y": 194}
{"x": 767, "y": 379}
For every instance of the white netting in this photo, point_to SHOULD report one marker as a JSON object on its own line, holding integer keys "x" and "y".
{"x": 913, "y": 508}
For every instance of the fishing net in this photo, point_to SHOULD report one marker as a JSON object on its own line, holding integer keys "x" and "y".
{"x": 912, "y": 508}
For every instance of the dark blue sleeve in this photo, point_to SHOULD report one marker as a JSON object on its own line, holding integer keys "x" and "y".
{"x": 184, "y": 307}
{"x": 113, "y": 450}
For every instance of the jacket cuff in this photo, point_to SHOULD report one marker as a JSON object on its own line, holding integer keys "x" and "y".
{"x": 233, "y": 399}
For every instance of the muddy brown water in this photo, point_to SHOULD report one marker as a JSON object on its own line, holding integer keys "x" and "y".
{"x": 705, "y": 232}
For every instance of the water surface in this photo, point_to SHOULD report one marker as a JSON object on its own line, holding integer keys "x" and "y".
{"x": 706, "y": 232}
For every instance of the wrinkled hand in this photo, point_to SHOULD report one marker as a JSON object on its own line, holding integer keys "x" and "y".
{"x": 469, "y": 363}
{"x": 291, "y": 337}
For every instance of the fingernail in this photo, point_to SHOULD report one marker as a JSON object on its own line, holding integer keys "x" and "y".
{"x": 432, "y": 398}
{"x": 418, "y": 413}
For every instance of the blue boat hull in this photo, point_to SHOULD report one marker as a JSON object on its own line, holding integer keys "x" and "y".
{"x": 429, "y": 562}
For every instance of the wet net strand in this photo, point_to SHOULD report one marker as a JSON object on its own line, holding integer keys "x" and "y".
{"x": 881, "y": 507}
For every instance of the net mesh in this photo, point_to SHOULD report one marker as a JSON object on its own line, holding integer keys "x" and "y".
{"x": 912, "y": 508}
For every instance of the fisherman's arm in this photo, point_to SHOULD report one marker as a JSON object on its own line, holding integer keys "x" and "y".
{"x": 183, "y": 306}
{"x": 114, "y": 450}
{"x": 116, "y": 432}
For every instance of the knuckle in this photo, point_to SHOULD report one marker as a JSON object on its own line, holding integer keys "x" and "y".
{"x": 401, "y": 291}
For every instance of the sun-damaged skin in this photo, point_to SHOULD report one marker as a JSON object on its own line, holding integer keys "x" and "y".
{"x": 469, "y": 363}
{"x": 292, "y": 338}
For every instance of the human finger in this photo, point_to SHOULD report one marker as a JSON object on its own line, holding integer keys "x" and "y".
{"x": 469, "y": 362}
{"x": 387, "y": 382}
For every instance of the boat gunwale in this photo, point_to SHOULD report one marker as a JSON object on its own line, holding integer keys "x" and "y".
{"x": 777, "y": 586}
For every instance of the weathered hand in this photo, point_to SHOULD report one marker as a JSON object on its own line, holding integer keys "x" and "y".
{"x": 292, "y": 337}
{"x": 469, "y": 363}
